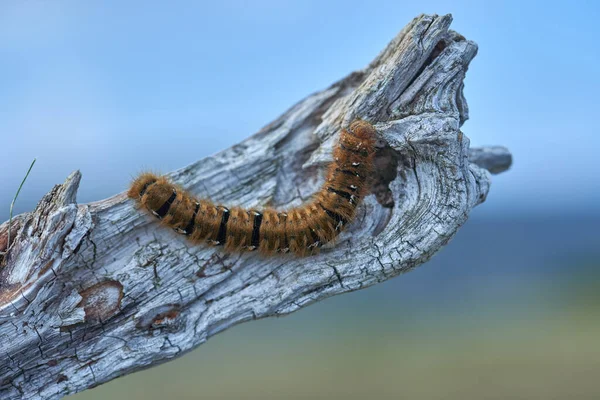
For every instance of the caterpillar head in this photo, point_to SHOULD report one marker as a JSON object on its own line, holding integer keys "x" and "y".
{"x": 362, "y": 129}
{"x": 140, "y": 184}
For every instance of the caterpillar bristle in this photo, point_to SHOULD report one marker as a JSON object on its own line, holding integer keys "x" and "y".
{"x": 301, "y": 230}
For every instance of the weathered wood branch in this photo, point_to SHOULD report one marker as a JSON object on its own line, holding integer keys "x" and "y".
{"x": 92, "y": 292}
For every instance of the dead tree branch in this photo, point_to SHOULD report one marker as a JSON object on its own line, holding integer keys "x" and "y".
{"x": 96, "y": 291}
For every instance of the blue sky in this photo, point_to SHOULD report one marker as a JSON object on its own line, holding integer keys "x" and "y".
{"x": 112, "y": 88}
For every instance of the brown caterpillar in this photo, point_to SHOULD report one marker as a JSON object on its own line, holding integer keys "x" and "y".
{"x": 301, "y": 230}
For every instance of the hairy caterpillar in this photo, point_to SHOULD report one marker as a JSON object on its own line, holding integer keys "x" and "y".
{"x": 301, "y": 230}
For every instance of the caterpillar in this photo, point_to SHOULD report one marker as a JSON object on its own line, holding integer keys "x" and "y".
{"x": 300, "y": 230}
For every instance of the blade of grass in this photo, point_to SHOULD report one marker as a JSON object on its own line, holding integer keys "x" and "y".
{"x": 12, "y": 204}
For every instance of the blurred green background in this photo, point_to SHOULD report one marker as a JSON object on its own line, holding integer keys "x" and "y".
{"x": 510, "y": 309}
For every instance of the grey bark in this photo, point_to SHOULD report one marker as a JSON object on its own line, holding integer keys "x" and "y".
{"x": 95, "y": 291}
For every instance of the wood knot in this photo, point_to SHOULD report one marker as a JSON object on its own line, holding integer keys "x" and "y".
{"x": 161, "y": 317}
{"x": 101, "y": 301}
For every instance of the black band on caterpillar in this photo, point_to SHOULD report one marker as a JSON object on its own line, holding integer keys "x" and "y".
{"x": 223, "y": 227}
{"x": 190, "y": 226}
{"x": 256, "y": 229}
{"x": 164, "y": 209}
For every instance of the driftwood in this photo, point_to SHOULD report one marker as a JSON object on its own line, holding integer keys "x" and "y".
{"x": 92, "y": 292}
